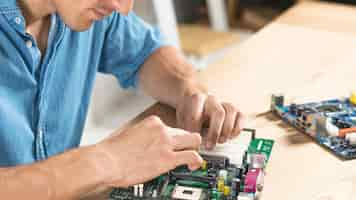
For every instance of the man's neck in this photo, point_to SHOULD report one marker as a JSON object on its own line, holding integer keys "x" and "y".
{"x": 36, "y": 10}
{"x": 37, "y": 14}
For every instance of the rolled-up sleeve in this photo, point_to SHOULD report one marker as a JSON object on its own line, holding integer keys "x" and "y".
{"x": 129, "y": 42}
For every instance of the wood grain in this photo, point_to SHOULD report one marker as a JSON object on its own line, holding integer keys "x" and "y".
{"x": 307, "y": 58}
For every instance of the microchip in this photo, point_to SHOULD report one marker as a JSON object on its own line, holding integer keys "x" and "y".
{"x": 187, "y": 193}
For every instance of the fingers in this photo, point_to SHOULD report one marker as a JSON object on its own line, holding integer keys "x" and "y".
{"x": 183, "y": 140}
{"x": 216, "y": 114}
{"x": 238, "y": 125}
{"x": 229, "y": 122}
{"x": 194, "y": 120}
{"x": 231, "y": 127}
{"x": 223, "y": 119}
{"x": 190, "y": 115}
{"x": 190, "y": 158}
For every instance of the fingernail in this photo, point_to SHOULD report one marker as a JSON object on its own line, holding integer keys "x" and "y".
{"x": 209, "y": 145}
{"x": 223, "y": 139}
{"x": 194, "y": 167}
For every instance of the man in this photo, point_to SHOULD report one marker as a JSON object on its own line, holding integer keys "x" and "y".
{"x": 50, "y": 51}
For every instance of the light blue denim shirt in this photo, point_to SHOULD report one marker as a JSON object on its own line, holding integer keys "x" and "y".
{"x": 44, "y": 98}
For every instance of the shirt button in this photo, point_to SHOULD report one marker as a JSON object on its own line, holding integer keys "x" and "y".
{"x": 18, "y": 20}
{"x": 40, "y": 132}
{"x": 29, "y": 43}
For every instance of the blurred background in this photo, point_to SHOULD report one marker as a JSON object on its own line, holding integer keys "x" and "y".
{"x": 202, "y": 29}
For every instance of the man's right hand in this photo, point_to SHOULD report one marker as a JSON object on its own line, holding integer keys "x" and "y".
{"x": 146, "y": 151}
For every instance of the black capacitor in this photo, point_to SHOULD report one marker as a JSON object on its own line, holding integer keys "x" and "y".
{"x": 237, "y": 186}
{"x": 278, "y": 100}
{"x": 299, "y": 112}
{"x": 244, "y": 158}
{"x": 239, "y": 173}
{"x": 293, "y": 109}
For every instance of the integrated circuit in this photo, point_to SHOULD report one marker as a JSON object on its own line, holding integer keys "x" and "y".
{"x": 217, "y": 179}
{"x": 332, "y": 123}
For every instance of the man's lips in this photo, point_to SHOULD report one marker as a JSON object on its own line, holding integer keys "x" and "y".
{"x": 98, "y": 13}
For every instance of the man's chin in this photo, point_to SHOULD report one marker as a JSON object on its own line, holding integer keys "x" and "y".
{"x": 81, "y": 27}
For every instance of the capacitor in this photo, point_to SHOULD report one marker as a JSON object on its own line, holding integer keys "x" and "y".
{"x": 239, "y": 172}
{"x": 293, "y": 109}
{"x": 353, "y": 98}
{"x": 226, "y": 190}
{"x": 223, "y": 174}
{"x": 233, "y": 189}
{"x": 204, "y": 165}
{"x": 278, "y": 99}
{"x": 221, "y": 185}
{"x": 246, "y": 158}
{"x": 236, "y": 185}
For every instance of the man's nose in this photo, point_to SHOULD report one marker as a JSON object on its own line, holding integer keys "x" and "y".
{"x": 110, "y": 5}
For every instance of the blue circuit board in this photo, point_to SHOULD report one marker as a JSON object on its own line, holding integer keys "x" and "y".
{"x": 332, "y": 123}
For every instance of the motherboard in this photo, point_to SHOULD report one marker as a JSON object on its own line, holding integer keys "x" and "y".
{"x": 332, "y": 123}
{"x": 217, "y": 179}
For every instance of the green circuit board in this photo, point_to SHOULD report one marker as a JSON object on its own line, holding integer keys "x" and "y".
{"x": 217, "y": 179}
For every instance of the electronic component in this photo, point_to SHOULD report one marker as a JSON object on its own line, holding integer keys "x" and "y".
{"x": 140, "y": 190}
{"x": 353, "y": 98}
{"x": 254, "y": 181}
{"x": 187, "y": 193}
{"x": 221, "y": 185}
{"x": 258, "y": 161}
{"x": 135, "y": 190}
{"x": 226, "y": 190}
{"x": 332, "y": 123}
{"x": 217, "y": 179}
{"x": 351, "y": 139}
{"x": 245, "y": 196}
{"x": 223, "y": 174}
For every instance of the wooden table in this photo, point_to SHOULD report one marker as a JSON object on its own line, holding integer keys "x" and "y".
{"x": 309, "y": 53}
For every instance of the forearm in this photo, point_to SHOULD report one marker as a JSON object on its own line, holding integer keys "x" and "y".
{"x": 167, "y": 76}
{"x": 62, "y": 177}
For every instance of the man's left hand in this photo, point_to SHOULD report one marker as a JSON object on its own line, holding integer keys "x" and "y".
{"x": 198, "y": 111}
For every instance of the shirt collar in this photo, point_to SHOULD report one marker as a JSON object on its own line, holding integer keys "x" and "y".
{"x": 12, "y": 13}
{"x": 8, "y": 4}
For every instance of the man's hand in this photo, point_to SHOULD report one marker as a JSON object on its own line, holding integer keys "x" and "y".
{"x": 198, "y": 111}
{"x": 168, "y": 77}
{"x": 146, "y": 151}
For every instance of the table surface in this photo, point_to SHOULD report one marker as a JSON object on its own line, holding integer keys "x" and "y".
{"x": 309, "y": 53}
